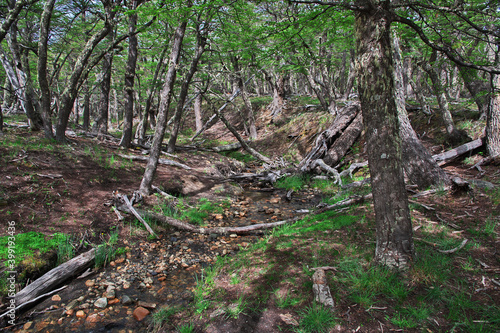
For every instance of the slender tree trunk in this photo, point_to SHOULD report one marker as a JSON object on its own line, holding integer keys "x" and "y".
{"x": 42, "y": 69}
{"x": 8, "y": 96}
{"x": 454, "y": 135}
{"x": 70, "y": 92}
{"x": 200, "y": 48}
{"x": 197, "y": 109}
{"x": 376, "y": 87}
{"x": 86, "y": 106}
{"x": 166, "y": 95}
{"x": 148, "y": 113}
{"x": 420, "y": 167}
{"x": 493, "y": 119}
{"x": 249, "y": 116}
{"x": 102, "y": 120}
{"x": 129, "y": 80}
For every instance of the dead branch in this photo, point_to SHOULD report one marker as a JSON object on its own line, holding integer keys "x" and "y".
{"x": 20, "y": 306}
{"x": 353, "y": 200}
{"x": 449, "y": 155}
{"x": 136, "y": 214}
{"x": 160, "y": 161}
{"x": 321, "y": 290}
{"x": 216, "y": 230}
{"x": 455, "y": 249}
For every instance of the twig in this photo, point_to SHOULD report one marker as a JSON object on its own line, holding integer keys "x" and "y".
{"x": 136, "y": 214}
{"x": 420, "y": 204}
{"x": 325, "y": 268}
{"x": 455, "y": 249}
{"x": 120, "y": 216}
{"x": 34, "y": 300}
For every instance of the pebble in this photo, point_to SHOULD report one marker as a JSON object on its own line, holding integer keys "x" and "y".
{"x": 56, "y": 298}
{"x": 101, "y": 302}
{"x": 140, "y": 313}
{"x": 126, "y": 300}
{"x": 80, "y": 314}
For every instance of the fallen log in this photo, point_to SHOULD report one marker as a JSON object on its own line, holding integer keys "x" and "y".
{"x": 327, "y": 138}
{"x": 229, "y": 147}
{"x": 449, "y": 155}
{"x": 136, "y": 214}
{"x": 55, "y": 277}
{"x": 216, "y": 230}
{"x": 160, "y": 161}
{"x": 354, "y": 200}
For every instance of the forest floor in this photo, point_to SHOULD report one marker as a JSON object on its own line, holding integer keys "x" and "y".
{"x": 254, "y": 283}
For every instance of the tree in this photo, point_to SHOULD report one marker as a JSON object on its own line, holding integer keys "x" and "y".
{"x": 376, "y": 88}
{"x": 129, "y": 78}
{"x": 166, "y": 96}
{"x": 42, "y": 69}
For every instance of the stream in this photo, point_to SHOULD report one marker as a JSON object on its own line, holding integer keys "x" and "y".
{"x": 123, "y": 296}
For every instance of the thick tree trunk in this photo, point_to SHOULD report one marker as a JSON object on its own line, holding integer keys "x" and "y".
{"x": 129, "y": 80}
{"x": 420, "y": 167}
{"x": 493, "y": 119}
{"x": 376, "y": 87}
{"x": 477, "y": 87}
{"x": 200, "y": 48}
{"x": 166, "y": 95}
{"x": 42, "y": 69}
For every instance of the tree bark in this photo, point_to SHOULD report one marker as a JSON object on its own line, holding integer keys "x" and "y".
{"x": 129, "y": 79}
{"x": 103, "y": 109}
{"x": 71, "y": 90}
{"x": 55, "y": 277}
{"x": 376, "y": 86}
{"x": 197, "y": 110}
{"x": 166, "y": 95}
{"x": 454, "y": 135}
{"x": 420, "y": 167}
{"x": 249, "y": 117}
{"x": 200, "y": 48}
{"x": 42, "y": 69}
{"x": 493, "y": 119}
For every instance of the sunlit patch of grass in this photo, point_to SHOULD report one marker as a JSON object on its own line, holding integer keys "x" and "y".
{"x": 294, "y": 182}
{"x": 316, "y": 319}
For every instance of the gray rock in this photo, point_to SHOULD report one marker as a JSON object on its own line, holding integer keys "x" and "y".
{"x": 126, "y": 300}
{"x": 101, "y": 303}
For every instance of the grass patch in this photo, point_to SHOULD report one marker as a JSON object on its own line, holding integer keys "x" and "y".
{"x": 292, "y": 182}
{"x": 316, "y": 319}
{"x": 31, "y": 243}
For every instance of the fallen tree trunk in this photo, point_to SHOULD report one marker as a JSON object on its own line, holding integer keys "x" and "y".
{"x": 160, "y": 161}
{"x": 354, "y": 200}
{"x": 326, "y": 140}
{"x": 228, "y": 147}
{"x": 449, "y": 155}
{"x": 55, "y": 277}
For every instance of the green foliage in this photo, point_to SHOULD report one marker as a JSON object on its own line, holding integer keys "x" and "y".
{"x": 65, "y": 251}
{"x": 196, "y": 215}
{"x": 106, "y": 252}
{"x": 30, "y": 243}
{"x": 187, "y": 328}
{"x": 316, "y": 319}
{"x": 237, "y": 155}
{"x": 162, "y": 316}
{"x": 287, "y": 300}
{"x": 292, "y": 182}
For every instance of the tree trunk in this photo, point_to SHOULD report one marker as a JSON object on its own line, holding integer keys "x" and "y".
{"x": 200, "y": 48}
{"x": 102, "y": 120}
{"x": 42, "y": 69}
{"x": 454, "y": 135}
{"x": 249, "y": 117}
{"x": 70, "y": 92}
{"x": 86, "y": 106}
{"x": 197, "y": 110}
{"x": 148, "y": 113}
{"x": 420, "y": 167}
{"x": 493, "y": 119}
{"x": 166, "y": 95}
{"x": 376, "y": 87}
{"x": 129, "y": 80}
